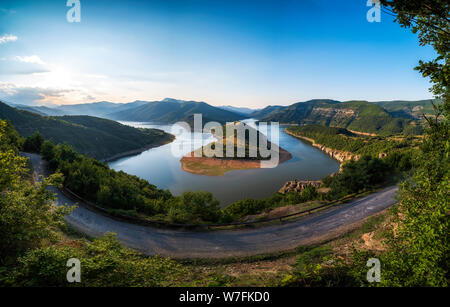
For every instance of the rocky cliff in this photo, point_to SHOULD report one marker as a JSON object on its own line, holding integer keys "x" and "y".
{"x": 338, "y": 155}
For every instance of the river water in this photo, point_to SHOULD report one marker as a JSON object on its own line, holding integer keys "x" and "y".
{"x": 162, "y": 167}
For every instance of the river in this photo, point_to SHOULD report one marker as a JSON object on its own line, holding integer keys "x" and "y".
{"x": 161, "y": 167}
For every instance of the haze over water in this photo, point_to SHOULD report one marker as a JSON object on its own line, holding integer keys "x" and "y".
{"x": 160, "y": 167}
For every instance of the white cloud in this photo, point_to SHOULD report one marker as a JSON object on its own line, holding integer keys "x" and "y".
{"x": 23, "y": 65}
{"x": 8, "y": 38}
{"x": 31, "y": 95}
{"x": 34, "y": 59}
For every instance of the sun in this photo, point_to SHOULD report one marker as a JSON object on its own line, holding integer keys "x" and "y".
{"x": 57, "y": 77}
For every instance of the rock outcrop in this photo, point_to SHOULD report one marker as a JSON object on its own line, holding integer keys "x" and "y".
{"x": 338, "y": 155}
{"x": 299, "y": 186}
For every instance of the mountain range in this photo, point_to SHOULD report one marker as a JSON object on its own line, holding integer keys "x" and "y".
{"x": 384, "y": 117}
{"x": 166, "y": 111}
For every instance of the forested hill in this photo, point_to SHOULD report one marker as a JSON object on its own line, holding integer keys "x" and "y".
{"x": 171, "y": 111}
{"x": 361, "y": 116}
{"x": 95, "y": 137}
{"x": 412, "y": 109}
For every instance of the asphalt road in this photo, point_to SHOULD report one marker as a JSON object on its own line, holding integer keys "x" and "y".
{"x": 314, "y": 228}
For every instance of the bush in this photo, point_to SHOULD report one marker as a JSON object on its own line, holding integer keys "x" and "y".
{"x": 47, "y": 150}
{"x": 33, "y": 143}
{"x": 358, "y": 176}
{"x": 104, "y": 263}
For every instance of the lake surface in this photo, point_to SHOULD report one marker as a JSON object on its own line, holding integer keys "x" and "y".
{"x": 162, "y": 167}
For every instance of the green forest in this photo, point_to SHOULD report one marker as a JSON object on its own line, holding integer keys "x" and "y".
{"x": 342, "y": 139}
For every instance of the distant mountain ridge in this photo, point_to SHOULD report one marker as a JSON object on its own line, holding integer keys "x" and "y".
{"x": 99, "y": 109}
{"x": 171, "y": 111}
{"x": 240, "y": 110}
{"x": 168, "y": 110}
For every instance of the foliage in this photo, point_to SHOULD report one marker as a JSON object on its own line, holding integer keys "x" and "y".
{"x": 29, "y": 223}
{"x": 418, "y": 252}
{"x": 242, "y": 208}
{"x": 104, "y": 262}
{"x": 358, "y": 176}
{"x": 419, "y": 249}
{"x": 95, "y": 137}
{"x": 33, "y": 143}
{"x": 317, "y": 267}
{"x": 194, "y": 207}
{"x": 429, "y": 19}
{"x": 344, "y": 140}
{"x": 27, "y": 217}
{"x": 124, "y": 193}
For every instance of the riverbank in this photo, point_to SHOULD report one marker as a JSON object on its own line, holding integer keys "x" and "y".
{"x": 338, "y": 155}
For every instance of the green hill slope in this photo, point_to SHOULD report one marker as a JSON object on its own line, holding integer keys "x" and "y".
{"x": 95, "y": 137}
{"x": 361, "y": 116}
{"x": 413, "y": 109}
{"x": 267, "y": 111}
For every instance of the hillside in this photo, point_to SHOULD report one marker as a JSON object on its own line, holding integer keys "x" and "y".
{"x": 95, "y": 137}
{"x": 267, "y": 111}
{"x": 171, "y": 111}
{"x": 341, "y": 139}
{"x": 240, "y": 110}
{"x": 361, "y": 116}
{"x": 413, "y": 109}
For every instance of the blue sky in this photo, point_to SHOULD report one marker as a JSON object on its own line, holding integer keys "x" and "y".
{"x": 249, "y": 53}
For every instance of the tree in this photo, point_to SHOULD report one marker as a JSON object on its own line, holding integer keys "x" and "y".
{"x": 430, "y": 20}
{"x": 33, "y": 143}
{"x": 418, "y": 248}
{"x": 27, "y": 215}
{"x": 47, "y": 150}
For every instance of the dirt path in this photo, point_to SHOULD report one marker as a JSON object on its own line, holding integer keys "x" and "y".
{"x": 321, "y": 226}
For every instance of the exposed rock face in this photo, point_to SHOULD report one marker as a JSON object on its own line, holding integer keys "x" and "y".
{"x": 339, "y": 155}
{"x": 299, "y": 186}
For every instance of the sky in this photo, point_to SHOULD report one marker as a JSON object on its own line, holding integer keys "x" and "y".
{"x": 249, "y": 53}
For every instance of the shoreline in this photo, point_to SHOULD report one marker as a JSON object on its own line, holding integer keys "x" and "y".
{"x": 134, "y": 152}
{"x": 339, "y": 155}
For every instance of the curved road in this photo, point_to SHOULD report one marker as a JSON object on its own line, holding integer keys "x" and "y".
{"x": 317, "y": 227}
